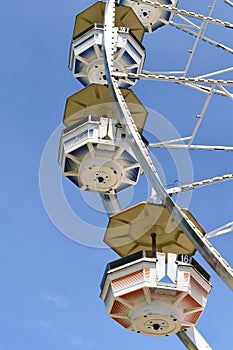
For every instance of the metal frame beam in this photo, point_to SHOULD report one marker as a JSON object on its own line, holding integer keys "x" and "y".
{"x": 193, "y": 186}
{"x": 228, "y": 2}
{"x": 190, "y": 14}
{"x": 192, "y": 147}
{"x": 193, "y": 340}
{"x": 111, "y": 203}
{"x": 228, "y": 228}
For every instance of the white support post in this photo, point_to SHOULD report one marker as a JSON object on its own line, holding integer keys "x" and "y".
{"x": 111, "y": 203}
{"x": 193, "y": 340}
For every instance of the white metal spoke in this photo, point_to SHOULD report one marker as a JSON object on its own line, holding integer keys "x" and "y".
{"x": 226, "y": 70}
{"x": 203, "y": 38}
{"x": 174, "y": 79}
{"x": 192, "y": 147}
{"x": 193, "y": 83}
{"x": 228, "y": 228}
{"x": 228, "y": 2}
{"x": 193, "y": 186}
{"x": 205, "y": 89}
{"x": 163, "y": 73}
{"x": 169, "y": 141}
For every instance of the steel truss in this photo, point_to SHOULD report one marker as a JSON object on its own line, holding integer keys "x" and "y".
{"x": 191, "y": 339}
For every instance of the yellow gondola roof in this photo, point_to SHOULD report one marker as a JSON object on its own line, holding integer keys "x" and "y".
{"x": 96, "y": 100}
{"x": 125, "y": 17}
{"x": 130, "y": 230}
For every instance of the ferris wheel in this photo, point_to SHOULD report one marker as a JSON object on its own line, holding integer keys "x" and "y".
{"x": 156, "y": 287}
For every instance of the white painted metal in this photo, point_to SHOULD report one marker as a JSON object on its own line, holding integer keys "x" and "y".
{"x": 193, "y": 340}
{"x": 175, "y": 10}
{"x": 228, "y": 228}
{"x": 206, "y": 89}
{"x": 160, "y": 266}
{"x": 172, "y": 266}
{"x": 191, "y": 147}
{"x": 111, "y": 203}
{"x": 201, "y": 115}
{"x": 227, "y": 93}
{"x": 228, "y": 2}
{"x": 192, "y": 82}
{"x": 214, "y": 180}
{"x": 160, "y": 77}
{"x": 200, "y": 34}
{"x": 221, "y": 267}
{"x": 226, "y": 70}
{"x": 170, "y": 141}
{"x": 203, "y": 38}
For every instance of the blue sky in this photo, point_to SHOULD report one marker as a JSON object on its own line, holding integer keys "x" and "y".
{"x": 49, "y": 293}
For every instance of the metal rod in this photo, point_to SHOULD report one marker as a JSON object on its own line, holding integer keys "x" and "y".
{"x": 221, "y": 230}
{"x": 205, "y": 89}
{"x": 153, "y": 236}
{"x": 228, "y": 2}
{"x": 111, "y": 203}
{"x": 193, "y": 186}
{"x": 228, "y": 94}
{"x": 159, "y": 73}
{"x": 199, "y": 35}
{"x": 145, "y": 75}
{"x": 193, "y": 340}
{"x": 203, "y": 38}
{"x": 170, "y": 141}
{"x": 200, "y": 117}
{"x": 226, "y": 70}
{"x": 188, "y": 21}
{"x": 191, "y": 147}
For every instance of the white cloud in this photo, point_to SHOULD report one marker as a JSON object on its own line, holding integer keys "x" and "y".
{"x": 55, "y": 299}
{"x": 78, "y": 340}
{"x": 45, "y": 324}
